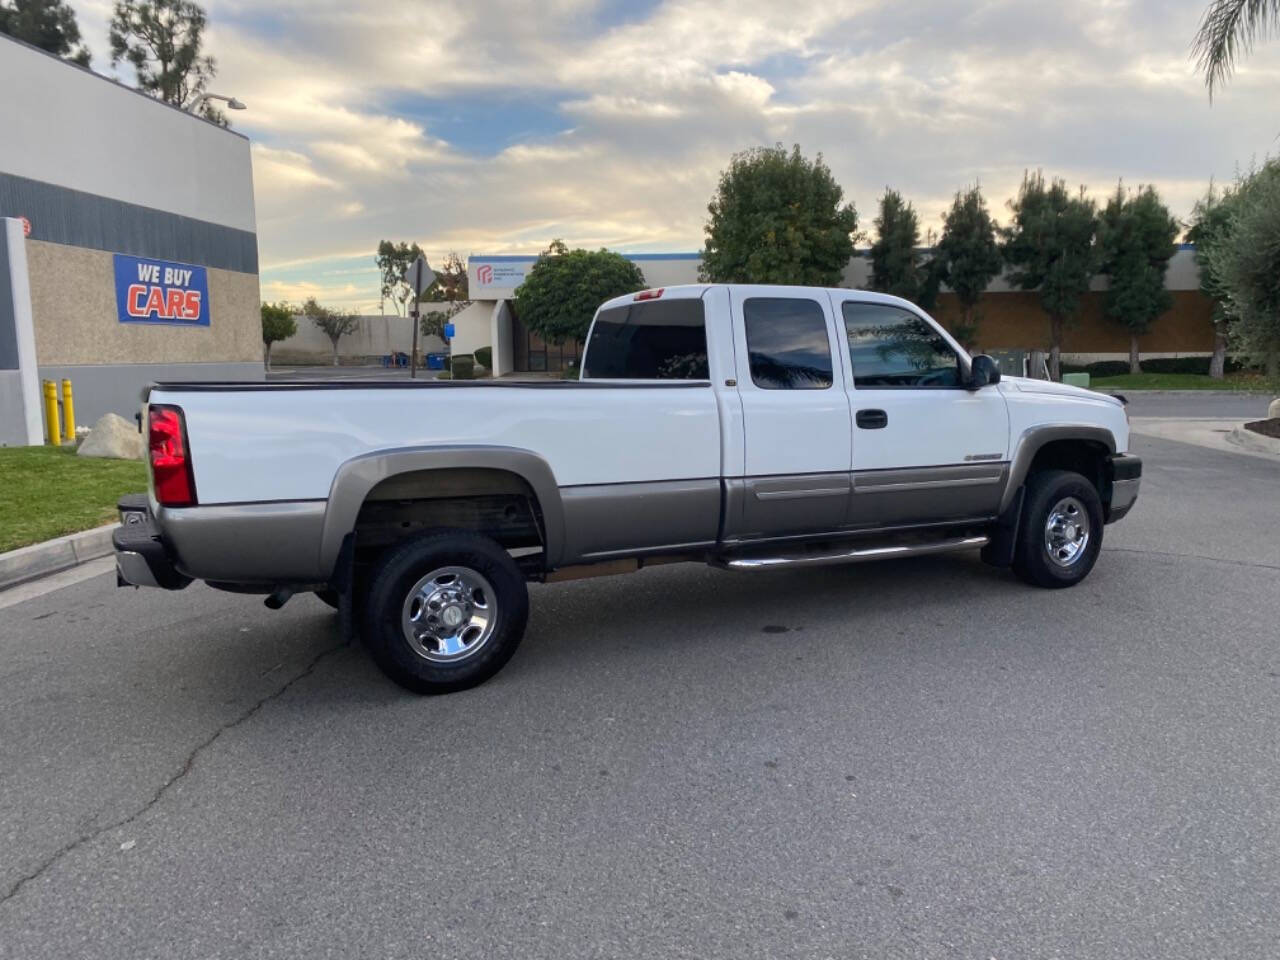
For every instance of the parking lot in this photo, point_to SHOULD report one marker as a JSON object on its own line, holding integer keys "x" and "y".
{"x": 922, "y": 758}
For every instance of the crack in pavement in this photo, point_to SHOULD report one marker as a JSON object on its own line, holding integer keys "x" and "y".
{"x": 1196, "y": 556}
{"x": 187, "y": 766}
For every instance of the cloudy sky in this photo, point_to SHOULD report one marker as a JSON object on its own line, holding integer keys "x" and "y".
{"x": 491, "y": 127}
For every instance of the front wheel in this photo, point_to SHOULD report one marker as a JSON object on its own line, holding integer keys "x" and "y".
{"x": 445, "y": 611}
{"x": 1060, "y": 535}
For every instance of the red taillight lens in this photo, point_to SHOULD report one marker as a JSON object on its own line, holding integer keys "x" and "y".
{"x": 649, "y": 294}
{"x": 170, "y": 463}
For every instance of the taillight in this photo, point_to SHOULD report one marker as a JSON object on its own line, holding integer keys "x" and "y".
{"x": 649, "y": 294}
{"x": 170, "y": 462}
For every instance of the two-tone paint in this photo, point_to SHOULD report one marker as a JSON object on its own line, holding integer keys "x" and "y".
{"x": 619, "y": 468}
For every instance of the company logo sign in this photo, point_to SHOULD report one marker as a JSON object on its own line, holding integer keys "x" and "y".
{"x": 159, "y": 291}
{"x": 502, "y": 274}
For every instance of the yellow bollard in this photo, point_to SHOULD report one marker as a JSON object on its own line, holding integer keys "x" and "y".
{"x": 68, "y": 413}
{"x": 52, "y": 430}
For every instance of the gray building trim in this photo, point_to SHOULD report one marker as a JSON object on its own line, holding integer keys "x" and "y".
{"x": 79, "y": 219}
{"x": 8, "y": 322}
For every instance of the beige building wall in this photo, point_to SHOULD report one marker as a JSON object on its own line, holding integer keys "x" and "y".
{"x": 374, "y": 337}
{"x": 73, "y": 305}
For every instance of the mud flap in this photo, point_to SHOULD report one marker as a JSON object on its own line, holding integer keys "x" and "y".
{"x": 1004, "y": 533}
{"x": 343, "y": 583}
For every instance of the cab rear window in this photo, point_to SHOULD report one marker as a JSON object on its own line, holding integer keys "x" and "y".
{"x": 654, "y": 340}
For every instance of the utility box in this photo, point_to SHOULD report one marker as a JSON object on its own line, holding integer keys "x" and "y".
{"x": 1076, "y": 379}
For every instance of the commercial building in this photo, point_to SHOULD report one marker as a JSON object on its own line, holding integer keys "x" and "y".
{"x": 130, "y": 249}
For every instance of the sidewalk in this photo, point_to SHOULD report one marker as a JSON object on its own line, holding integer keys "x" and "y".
{"x": 1216, "y": 434}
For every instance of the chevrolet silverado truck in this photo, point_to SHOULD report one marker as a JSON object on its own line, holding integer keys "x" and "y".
{"x": 748, "y": 427}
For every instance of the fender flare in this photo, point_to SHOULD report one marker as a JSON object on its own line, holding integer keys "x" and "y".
{"x": 357, "y": 476}
{"x": 1034, "y": 438}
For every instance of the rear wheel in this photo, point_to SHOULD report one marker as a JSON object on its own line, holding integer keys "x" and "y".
{"x": 1061, "y": 531}
{"x": 445, "y": 611}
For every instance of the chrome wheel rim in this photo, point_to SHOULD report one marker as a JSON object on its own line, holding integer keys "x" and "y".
{"x": 449, "y": 614}
{"x": 1066, "y": 532}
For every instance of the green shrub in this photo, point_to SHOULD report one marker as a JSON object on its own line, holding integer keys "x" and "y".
{"x": 484, "y": 357}
{"x": 1120, "y": 368}
{"x": 464, "y": 367}
{"x": 444, "y": 375}
{"x": 1198, "y": 365}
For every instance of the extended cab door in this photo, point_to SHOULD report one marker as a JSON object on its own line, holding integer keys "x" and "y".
{"x": 925, "y": 448}
{"x": 795, "y": 414}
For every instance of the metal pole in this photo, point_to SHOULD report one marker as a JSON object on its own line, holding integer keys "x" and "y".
{"x": 417, "y": 285}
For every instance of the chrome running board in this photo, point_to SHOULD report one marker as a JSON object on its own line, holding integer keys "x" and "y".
{"x": 851, "y": 554}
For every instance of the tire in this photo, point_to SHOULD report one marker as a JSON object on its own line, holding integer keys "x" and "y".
{"x": 426, "y": 602}
{"x": 1063, "y": 556}
{"x": 329, "y": 597}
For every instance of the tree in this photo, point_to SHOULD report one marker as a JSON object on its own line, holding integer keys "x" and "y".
{"x": 1228, "y": 30}
{"x": 1136, "y": 233}
{"x": 1247, "y": 261}
{"x": 48, "y": 24}
{"x": 1210, "y": 226}
{"x": 450, "y": 288}
{"x": 334, "y": 323}
{"x": 562, "y": 290}
{"x": 967, "y": 257}
{"x": 895, "y": 259}
{"x": 394, "y": 260}
{"x": 277, "y": 324}
{"x": 778, "y": 218}
{"x": 162, "y": 40}
{"x": 1050, "y": 248}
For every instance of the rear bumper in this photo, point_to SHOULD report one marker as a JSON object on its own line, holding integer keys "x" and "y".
{"x": 142, "y": 558}
{"x": 1126, "y": 476}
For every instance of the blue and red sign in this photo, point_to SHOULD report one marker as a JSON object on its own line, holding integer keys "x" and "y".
{"x": 158, "y": 291}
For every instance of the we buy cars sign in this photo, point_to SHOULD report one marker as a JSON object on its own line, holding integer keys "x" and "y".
{"x": 159, "y": 291}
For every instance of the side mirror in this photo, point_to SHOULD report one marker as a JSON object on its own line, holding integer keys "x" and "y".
{"x": 984, "y": 372}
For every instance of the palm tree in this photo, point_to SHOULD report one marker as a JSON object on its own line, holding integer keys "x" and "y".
{"x": 1228, "y": 31}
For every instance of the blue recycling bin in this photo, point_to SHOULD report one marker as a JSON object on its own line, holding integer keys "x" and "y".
{"x": 435, "y": 361}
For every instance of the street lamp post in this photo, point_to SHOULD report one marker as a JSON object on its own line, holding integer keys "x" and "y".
{"x": 231, "y": 102}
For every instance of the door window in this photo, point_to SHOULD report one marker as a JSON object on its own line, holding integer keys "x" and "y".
{"x": 787, "y": 343}
{"x": 892, "y": 347}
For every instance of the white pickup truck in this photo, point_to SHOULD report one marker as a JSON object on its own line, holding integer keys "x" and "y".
{"x": 749, "y": 427}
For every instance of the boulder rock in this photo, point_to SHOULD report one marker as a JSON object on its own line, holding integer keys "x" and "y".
{"x": 1273, "y": 411}
{"x": 113, "y": 437}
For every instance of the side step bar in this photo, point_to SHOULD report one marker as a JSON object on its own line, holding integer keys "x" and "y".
{"x": 851, "y": 554}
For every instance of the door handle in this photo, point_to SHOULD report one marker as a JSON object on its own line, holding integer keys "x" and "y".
{"x": 871, "y": 419}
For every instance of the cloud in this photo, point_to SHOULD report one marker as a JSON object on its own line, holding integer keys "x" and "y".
{"x": 497, "y": 127}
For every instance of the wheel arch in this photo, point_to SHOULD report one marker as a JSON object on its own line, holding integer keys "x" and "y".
{"x": 356, "y": 479}
{"x": 1056, "y": 441}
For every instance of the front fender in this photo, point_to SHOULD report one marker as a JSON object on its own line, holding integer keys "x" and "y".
{"x": 1034, "y": 438}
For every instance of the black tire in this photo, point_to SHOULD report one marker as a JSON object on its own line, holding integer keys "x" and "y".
{"x": 329, "y": 597}
{"x": 1032, "y": 560}
{"x": 390, "y": 599}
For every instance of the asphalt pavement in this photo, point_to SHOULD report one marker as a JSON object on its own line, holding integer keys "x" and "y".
{"x": 1196, "y": 404}
{"x": 921, "y": 758}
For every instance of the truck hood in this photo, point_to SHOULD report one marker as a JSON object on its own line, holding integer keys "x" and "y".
{"x": 1027, "y": 385}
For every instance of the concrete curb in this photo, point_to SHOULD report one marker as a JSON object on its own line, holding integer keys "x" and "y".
{"x": 52, "y": 556}
{"x": 1254, "y": 441}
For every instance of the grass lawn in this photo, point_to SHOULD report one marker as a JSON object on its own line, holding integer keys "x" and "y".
{"x": 1243, "y": 382}
{"x": 46, "y": 492}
